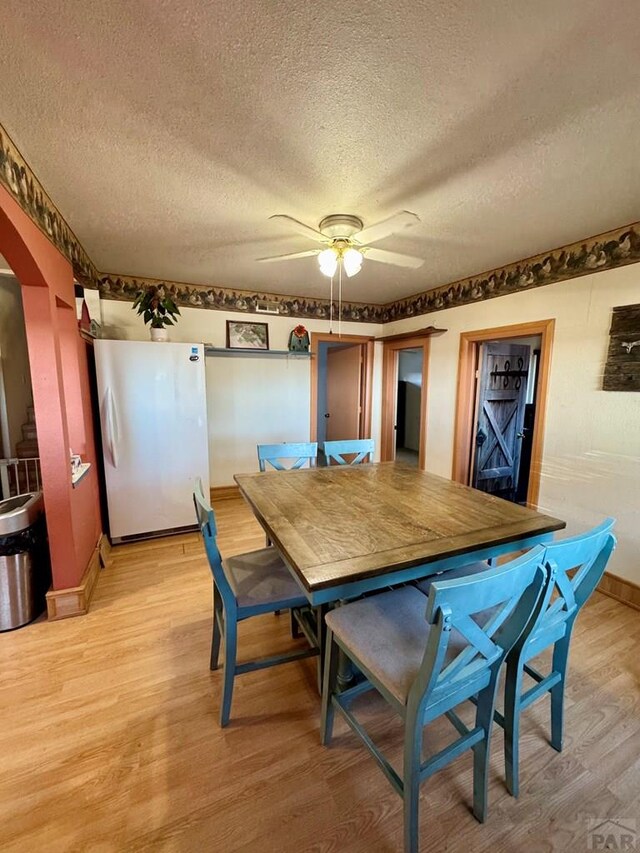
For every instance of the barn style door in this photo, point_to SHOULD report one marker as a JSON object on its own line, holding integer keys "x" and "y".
{"x": 502, "y": 395}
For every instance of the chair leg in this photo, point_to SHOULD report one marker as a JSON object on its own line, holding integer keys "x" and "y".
{"x": 560, "y": 657}
{"x": 215, "y": 643}
{"x": 411, "y": 781}
{"x": 215, "y": 639}
{"x": 512, "y": 711}
{"x": 328, "y": 689}
{"x": 296, "y": 633}
{"x": 230, "y": 648}
{"x": 482, "y": 750}
{"x": 321, "y": 640}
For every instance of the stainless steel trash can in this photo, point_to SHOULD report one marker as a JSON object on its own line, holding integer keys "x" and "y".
{"x": 24, "y": 564}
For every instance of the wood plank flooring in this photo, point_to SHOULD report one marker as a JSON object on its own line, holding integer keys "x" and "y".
{"x": 109, "y": 740}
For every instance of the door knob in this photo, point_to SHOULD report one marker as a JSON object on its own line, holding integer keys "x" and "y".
{"x": 327, "y": 415}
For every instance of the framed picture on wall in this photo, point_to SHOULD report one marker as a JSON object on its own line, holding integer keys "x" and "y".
{"x": 243, "y": 335}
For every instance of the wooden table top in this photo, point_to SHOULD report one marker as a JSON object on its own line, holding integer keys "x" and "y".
{"x": 340, "y": 524}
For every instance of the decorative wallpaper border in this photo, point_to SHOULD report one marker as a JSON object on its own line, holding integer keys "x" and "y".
{"x": 123, "y": 287}
{"x": 18, "y": 178}
{"x": 604, "y": 252}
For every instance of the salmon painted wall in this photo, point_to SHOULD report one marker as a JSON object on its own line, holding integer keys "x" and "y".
{"x": 61, "y": 393}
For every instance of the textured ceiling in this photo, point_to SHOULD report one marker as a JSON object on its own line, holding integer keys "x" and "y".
{"x": 168, "y": 132}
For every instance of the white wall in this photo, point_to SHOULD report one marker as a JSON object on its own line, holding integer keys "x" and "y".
{"x": 251, "y": 400}
{"x": 591, "y": 461}
{"x": 15, "y": 360}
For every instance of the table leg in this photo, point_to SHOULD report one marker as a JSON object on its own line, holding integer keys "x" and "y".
{"x": 345, "y": 667}
{"x": 345, "y": 671}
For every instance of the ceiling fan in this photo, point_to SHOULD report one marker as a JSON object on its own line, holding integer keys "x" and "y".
{"x": 347, "y": 242}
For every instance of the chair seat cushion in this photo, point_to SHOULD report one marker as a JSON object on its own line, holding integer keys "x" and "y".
{"x": 261, "y": 578}
{"x": 461, "y": 572}
{"x": 388, "y": 634}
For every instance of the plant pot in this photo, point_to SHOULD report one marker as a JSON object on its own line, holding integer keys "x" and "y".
{"x": 159, "y": 334}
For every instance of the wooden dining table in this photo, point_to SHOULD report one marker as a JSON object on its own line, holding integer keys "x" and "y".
{"x": 347, "y": 530}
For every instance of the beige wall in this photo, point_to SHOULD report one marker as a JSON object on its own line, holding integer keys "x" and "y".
{"x": 15, "y": 360}
{"x": 591, "y": 462}
{"x": 250, "y": 400}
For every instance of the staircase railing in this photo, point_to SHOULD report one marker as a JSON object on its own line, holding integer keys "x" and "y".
{"x": 18, "y": 476}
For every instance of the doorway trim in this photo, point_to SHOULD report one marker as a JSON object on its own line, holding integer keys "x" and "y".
{"x": 391, "y": 348}
{"x": 367, "y": 341}
{"x": 466, "y": 397}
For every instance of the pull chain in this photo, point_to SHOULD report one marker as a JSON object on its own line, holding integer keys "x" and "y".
{"x": 340, "y": 300}
{"x": 331, "y": 308}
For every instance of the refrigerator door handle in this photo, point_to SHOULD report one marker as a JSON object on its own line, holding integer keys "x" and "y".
{"x": 112, "y": 428}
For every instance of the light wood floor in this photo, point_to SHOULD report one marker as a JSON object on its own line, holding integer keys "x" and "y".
{"x": 109, "y": 740}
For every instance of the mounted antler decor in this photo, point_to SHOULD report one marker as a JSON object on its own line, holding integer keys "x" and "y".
{"x": 622, "y": 370}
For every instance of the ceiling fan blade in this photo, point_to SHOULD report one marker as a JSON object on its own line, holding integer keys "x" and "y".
{"x": 388, "y": 226}
{"x": 290, "y": 256}
{"x": 385, "y": 257}
{"x": 300, "y": 227}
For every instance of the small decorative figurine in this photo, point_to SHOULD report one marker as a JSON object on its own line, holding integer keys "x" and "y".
{"x": 299, "y": 339}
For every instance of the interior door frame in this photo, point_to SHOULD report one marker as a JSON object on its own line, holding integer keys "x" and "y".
{"x": 466, "y": 397}
{"x": 391, "y": 349}
{"x": 5, "y": 436}
{"x": 367, "y": 343}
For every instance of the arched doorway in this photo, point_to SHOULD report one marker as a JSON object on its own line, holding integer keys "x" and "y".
{"x": 60, "y": 392}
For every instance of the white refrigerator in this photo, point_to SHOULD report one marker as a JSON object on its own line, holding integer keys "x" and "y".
{"x": 153, "y": 412}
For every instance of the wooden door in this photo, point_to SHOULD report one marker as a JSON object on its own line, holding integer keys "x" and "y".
{"x": 344, "y": 380}
{"x": 502, "y": 394}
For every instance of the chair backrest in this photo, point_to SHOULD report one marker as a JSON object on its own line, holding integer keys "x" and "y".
{"x": 476, "y": 620}
{"x": 207, "y": 522}
{"x": 306, "y": 451}
{"x": 361, "y": 448}
{"x": 579, "y": 563}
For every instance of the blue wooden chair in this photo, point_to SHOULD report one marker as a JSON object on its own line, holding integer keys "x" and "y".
{"x": 578, "y": 563}
{"x": 300, "y": 453}
{"x": 243, "y": 586}
{"x": 361, "y": 448}
{"x": 306, "y": 451}
{"x": 425, "y": 667}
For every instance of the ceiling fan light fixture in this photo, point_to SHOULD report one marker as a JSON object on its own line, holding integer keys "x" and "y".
{"x": 352, "y": 260}
{"x": 328, "y": 262}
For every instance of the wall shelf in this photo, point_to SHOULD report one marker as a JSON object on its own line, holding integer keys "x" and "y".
{"x": 264, "y": 353}
{"x": 80, "y": 473}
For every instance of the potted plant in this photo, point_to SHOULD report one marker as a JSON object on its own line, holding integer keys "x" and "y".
{"x": 158, "y": 309}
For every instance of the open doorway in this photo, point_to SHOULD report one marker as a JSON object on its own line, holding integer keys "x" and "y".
{"x": 502, "y": 386}
{"x": 19, "y": 462}
{"x": 341, "y": 369}
{"x": 404, "y": 403}
{"x": 408, "y": 405}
